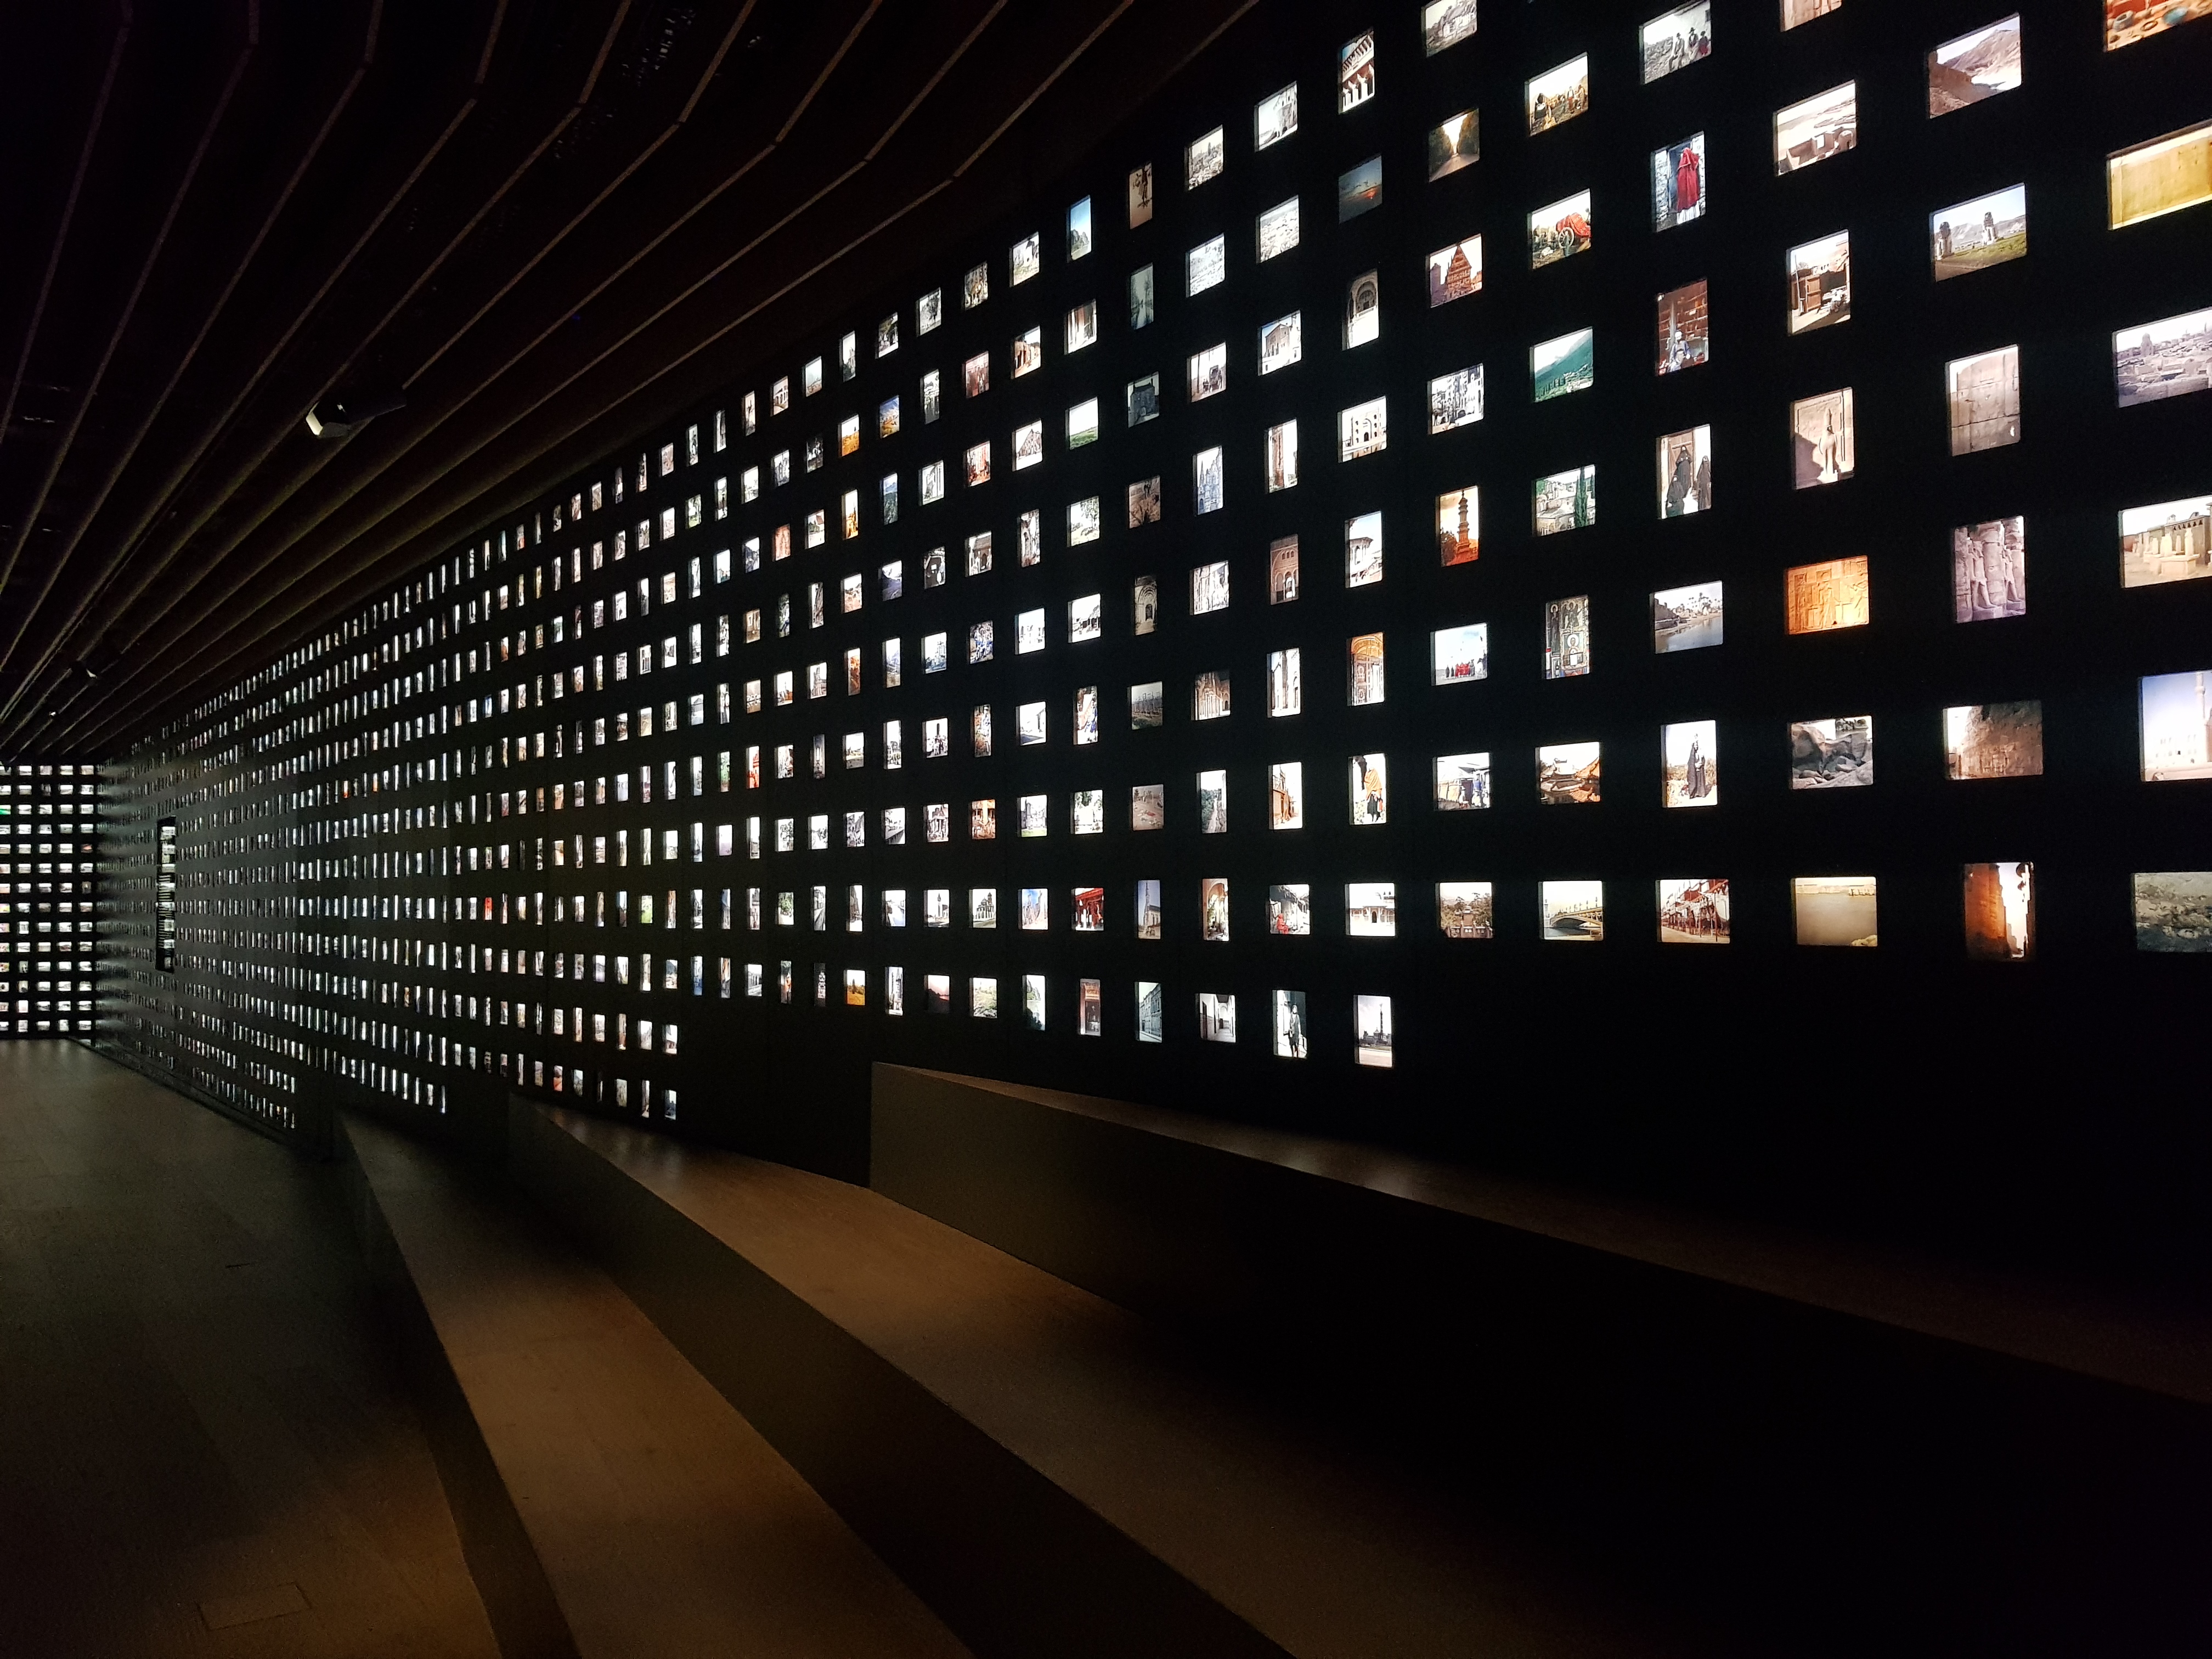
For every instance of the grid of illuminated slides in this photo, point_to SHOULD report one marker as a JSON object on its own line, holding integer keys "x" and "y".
{"x": 49, "y": 852}
{"x": 1982, "y": 741}
{"x": 1827, "y": 759}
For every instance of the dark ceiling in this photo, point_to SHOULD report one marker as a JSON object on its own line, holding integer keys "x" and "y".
{"x": 546, "y": 225}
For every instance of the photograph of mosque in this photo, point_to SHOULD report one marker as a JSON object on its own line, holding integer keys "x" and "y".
{"x": 2176, "y": 716}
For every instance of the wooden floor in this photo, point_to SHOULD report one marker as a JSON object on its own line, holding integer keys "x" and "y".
{"x": 204, "y": 1446}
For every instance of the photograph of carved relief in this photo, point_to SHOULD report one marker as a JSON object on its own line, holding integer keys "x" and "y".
{"x": 1984, "y": 392}
{"x": 1994, "y": 740}
{"x": 1831, "y": 594}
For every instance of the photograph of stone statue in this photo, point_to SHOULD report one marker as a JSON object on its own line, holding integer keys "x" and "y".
{"x": 1989, "y": 570}
{"x": 1973, "y": 235}
{"x": 1823, "y": 442}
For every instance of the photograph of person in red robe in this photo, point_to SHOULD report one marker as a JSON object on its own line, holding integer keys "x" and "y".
{"x": 1678, "y": 183}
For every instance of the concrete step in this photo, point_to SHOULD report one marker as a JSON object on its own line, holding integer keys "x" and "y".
{"x": 609, "y": 1501}
{"x": 1825, "y": 1445}
{"x": 1052, "y": 1474}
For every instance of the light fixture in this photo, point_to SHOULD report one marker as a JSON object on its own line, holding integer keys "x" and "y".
{"x": 344, "y": 413}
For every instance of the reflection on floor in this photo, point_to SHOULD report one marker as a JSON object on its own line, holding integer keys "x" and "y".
{"x": 203, "y": 1448}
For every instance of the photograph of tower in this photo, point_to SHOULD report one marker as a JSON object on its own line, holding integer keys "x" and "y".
{"x": 2000, "y": 911}
{"x": 1458, "y": 525}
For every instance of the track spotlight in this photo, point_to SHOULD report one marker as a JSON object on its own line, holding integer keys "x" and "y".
{"x": 344, "y": 413}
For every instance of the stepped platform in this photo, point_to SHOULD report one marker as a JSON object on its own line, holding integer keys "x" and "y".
{"x": 1832, "y": 1447}
{"x": 1052, "y": 1474}
{"x": 610, "y": 1502}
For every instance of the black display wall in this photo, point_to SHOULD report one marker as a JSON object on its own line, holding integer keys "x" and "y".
{"x": 49, "y": 887}
{"x": 384, "y": 831}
